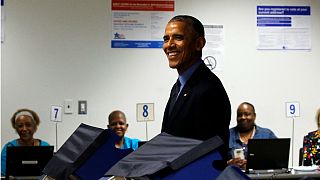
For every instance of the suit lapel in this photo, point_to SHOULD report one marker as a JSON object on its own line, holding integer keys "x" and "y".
{"x": 183, "y": 96}
{"x": 186, "y": 91}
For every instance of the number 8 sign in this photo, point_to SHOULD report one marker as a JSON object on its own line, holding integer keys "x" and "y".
{"x": 145, "y": 112}
{"x": 293, "y": 109}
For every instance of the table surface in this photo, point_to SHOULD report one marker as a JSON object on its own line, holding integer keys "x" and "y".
{"x": 294, "y": 174}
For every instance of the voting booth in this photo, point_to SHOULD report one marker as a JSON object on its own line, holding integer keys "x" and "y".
{"x": 87, "y": 154}
{"x": 90, "y": 153}
{"x": 169, "y": 157}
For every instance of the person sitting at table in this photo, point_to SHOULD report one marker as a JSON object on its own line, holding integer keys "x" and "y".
{"x": 118, "y": 123}
{"x": 246, "y": 129}
{"x": 25, "y": 122}
{"x": 311, "y": 145}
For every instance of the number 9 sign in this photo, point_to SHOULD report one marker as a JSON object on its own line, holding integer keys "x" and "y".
{"x": 293, "y": 109}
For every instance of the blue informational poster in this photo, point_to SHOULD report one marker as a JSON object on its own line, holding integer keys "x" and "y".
{"x": 283, "y": 27}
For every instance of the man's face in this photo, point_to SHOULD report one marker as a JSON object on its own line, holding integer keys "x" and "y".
{"x": 118, "y": 125}
{"x": 245, "y": 118}
{"x": 180, "y": 45}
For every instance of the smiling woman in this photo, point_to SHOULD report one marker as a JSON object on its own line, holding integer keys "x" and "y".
{"x": 246, "y": 129}
{"x": 118, "y": 123}
{"x": 25, "y": 122}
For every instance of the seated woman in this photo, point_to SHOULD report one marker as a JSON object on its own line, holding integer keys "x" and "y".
{"x": 311, "y": 146}
{"x": 246, "y": 129}
{"x": 25, "y": 122}
{"x": 118, "y": 123}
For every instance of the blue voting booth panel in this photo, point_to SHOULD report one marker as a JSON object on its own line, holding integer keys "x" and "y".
{"x": 170, "y": 157}
{"x": 201, "y": 168}
{"x": 101, "y": 160}
{"x": 87, "y": 154}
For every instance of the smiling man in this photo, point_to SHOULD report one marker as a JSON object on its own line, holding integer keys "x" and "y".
{"x": 198, "y": 106}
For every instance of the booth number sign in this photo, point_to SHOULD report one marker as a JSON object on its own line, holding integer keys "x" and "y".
{"x": 145, "y": 112}
{"x": 293, "y": 109}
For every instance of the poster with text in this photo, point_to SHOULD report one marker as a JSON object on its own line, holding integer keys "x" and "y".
{"x": 283, "y": 28}
{"x": 140, "y": 24}
{"x": 213, "y": 51}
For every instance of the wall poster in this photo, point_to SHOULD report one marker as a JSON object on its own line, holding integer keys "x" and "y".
{"x": 140, "y": 23}
{"x": 283, "y": 27}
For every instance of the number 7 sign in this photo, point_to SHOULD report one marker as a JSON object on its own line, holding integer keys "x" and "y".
{"x": 293, "y": 109}
{"x": 56, "y": 113}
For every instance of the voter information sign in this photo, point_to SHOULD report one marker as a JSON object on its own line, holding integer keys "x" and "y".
{"x": 139, "y": 24}
{"x": 283, "y": 27}
{"x": 145, "y": 112}
{"x": 292, "y": 109}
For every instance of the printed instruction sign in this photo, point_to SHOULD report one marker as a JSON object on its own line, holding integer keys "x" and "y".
{"x": 283, "y": 28}
{"x": 214, "y": 49}
{"x": 140, "y": 23}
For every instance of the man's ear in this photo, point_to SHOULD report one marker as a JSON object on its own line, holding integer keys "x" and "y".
{"x": 200, "y": 43}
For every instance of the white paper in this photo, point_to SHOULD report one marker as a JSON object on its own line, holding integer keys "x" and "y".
{"x": 212, "y": 53}
{"x": 283, "y": 28}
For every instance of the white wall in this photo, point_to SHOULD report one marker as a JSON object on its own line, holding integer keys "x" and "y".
{"x": 56, "y": 50}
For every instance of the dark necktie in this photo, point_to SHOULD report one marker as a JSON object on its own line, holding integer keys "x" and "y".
{"x": 174, "y": 95}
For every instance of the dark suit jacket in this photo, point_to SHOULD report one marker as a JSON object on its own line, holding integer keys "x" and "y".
{"x": 202, "y": 109}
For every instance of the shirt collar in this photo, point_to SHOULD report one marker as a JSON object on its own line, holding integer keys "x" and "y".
{"x": 183, "y": 78}
{"x": 253, "y": 133}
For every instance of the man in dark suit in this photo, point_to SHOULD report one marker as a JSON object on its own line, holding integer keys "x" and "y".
{"x": 201, "y": 109}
